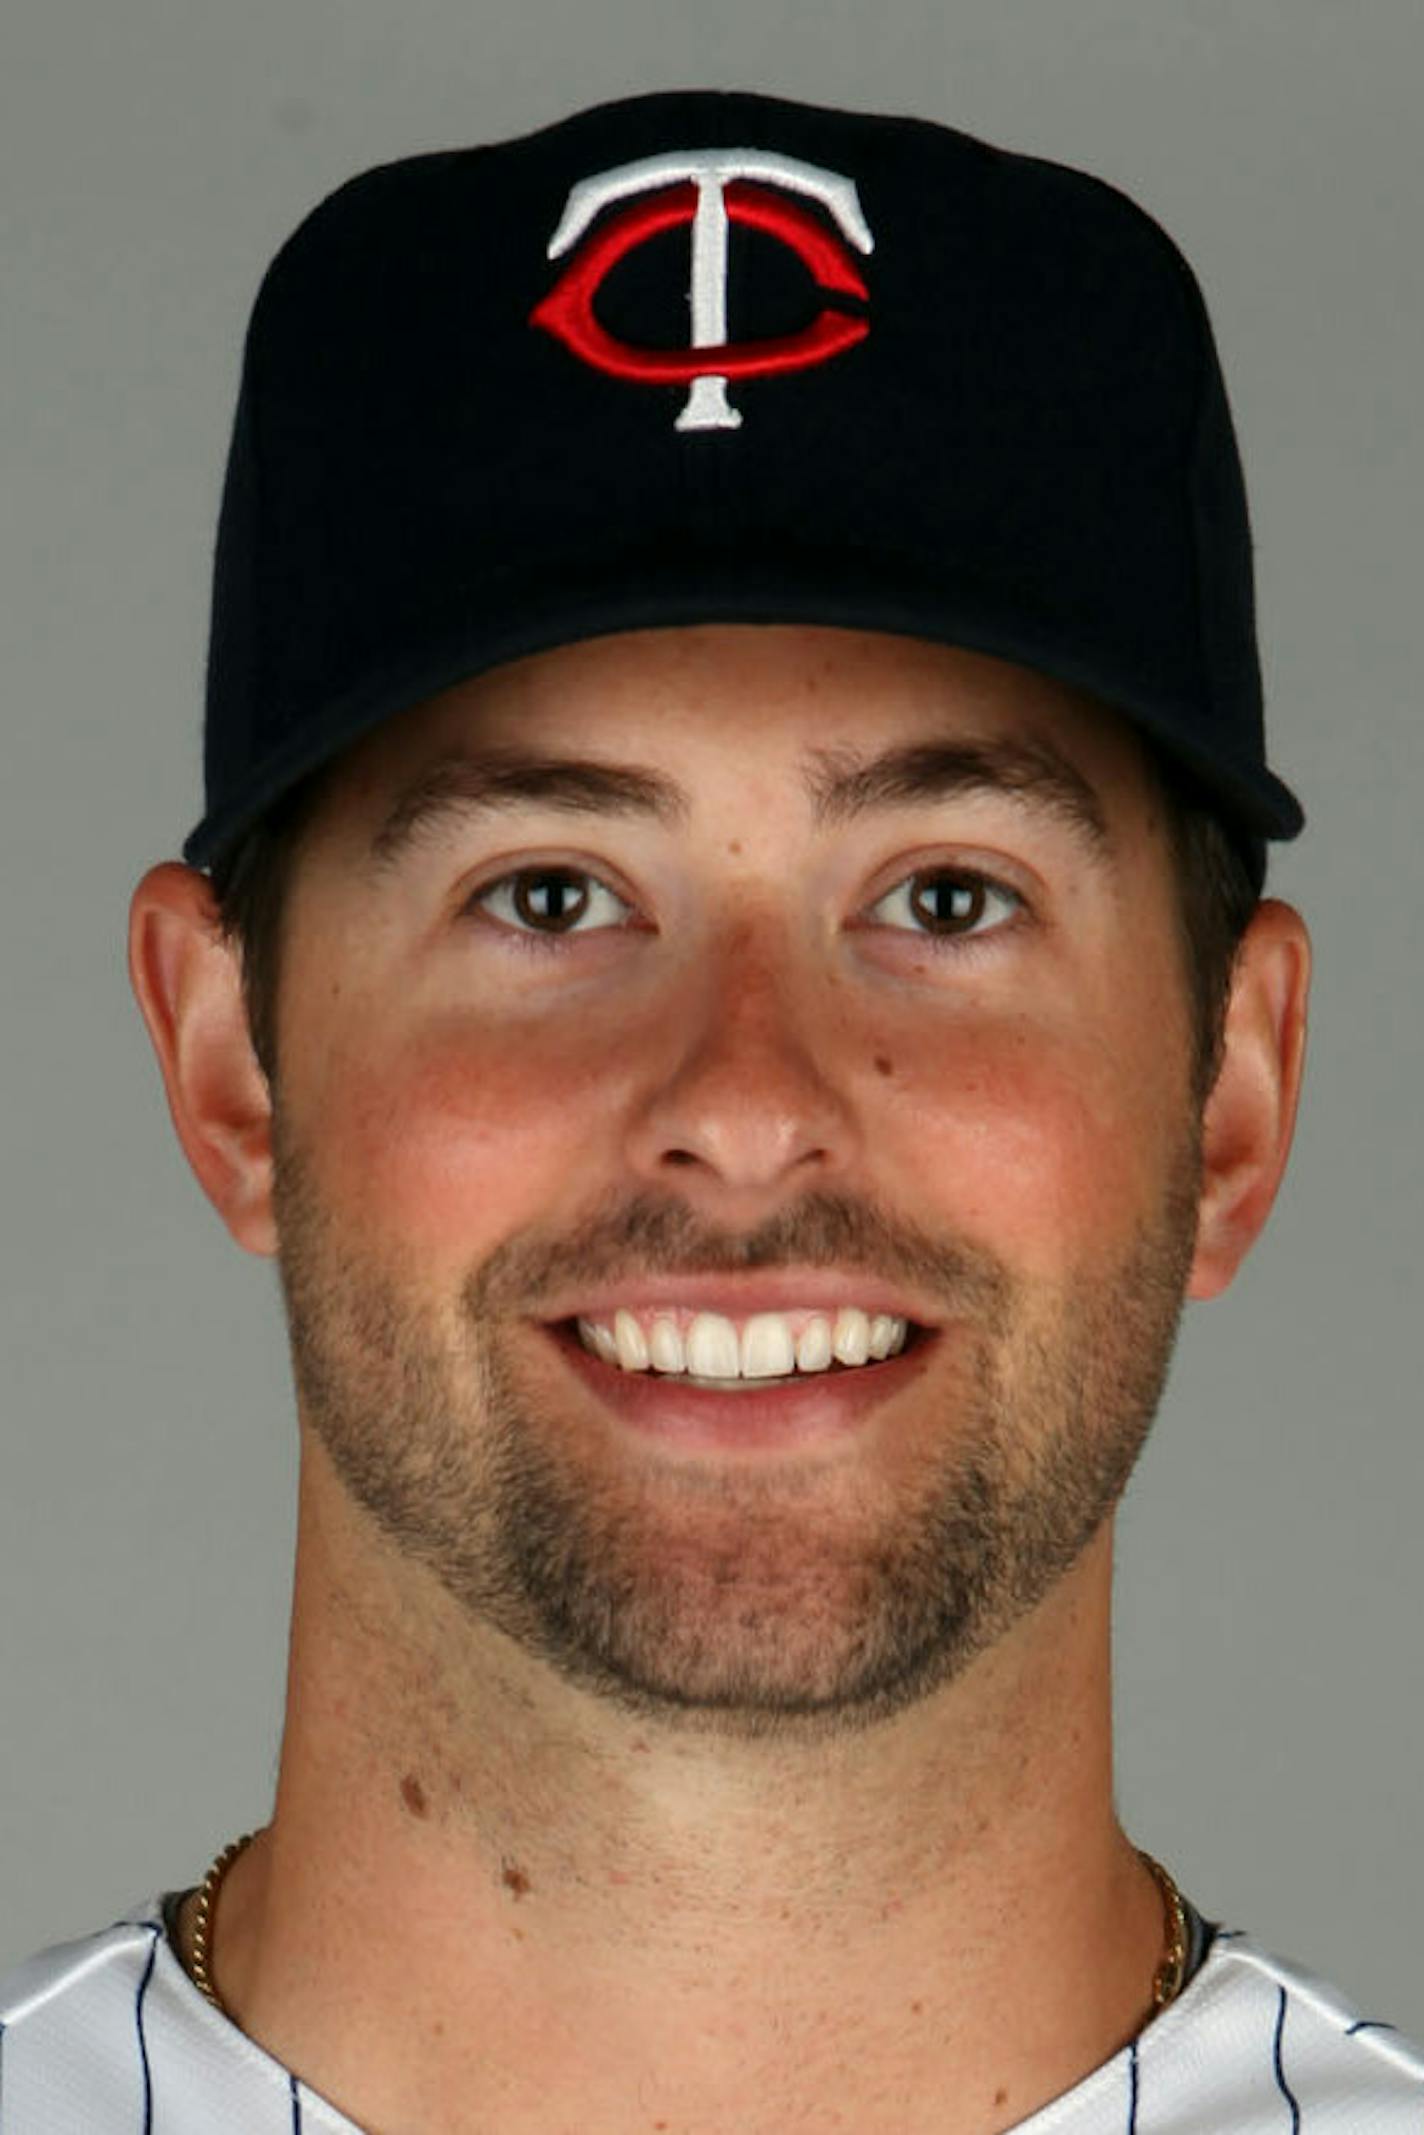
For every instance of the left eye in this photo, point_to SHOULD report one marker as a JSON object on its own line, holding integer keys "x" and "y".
{"x": 548, "y": 902}
{"x": 949, "y": 903}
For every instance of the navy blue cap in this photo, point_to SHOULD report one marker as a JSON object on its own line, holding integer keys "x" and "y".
{"x": 706, "y": 356}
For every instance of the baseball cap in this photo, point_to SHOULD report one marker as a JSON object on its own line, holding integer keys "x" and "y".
{"x": 711, "y": 356}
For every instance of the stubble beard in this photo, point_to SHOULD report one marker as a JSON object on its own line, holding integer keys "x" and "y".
{"x": 754, "y": 1602}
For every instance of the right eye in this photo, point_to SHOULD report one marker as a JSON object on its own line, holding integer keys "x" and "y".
{"x": 539, "y": 905}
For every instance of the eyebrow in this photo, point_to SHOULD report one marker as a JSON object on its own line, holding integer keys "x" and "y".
{"x": 841, "y": 785}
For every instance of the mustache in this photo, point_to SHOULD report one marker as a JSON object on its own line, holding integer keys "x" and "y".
{"x": 652, "y": 1235}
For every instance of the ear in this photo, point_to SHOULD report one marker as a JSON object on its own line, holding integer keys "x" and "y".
{"x": 1250, "y": 1116}
{"x": 188, "y": 982}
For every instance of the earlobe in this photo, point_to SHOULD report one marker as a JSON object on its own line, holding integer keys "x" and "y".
{"x": 187, "y": 979}
{"x": 1250, "y": 1117}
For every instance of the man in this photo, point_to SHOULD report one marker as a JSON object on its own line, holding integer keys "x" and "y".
{"x": 726, "y": 959}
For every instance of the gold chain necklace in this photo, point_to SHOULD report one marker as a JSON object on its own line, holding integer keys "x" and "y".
{"x": 1170, "y": 1973}
{"x": 200, "y": 1963}
{"x": 1166, "y": 1980}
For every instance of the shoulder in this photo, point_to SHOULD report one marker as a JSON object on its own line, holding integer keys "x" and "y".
{"x": 104, "y": 2032}
{"x": 1320, "y": 2012}
{"x": 1257, "y": 2034}
{"x": 86, "y": 1968}
{"x": 70, "y": 2023}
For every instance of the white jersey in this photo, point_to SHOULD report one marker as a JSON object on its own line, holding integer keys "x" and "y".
{"x": 109, "y": 2036}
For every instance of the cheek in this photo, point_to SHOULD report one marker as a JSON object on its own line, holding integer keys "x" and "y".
{"x": 1028, "y": 1138}
{"x": 452, "y": 1136}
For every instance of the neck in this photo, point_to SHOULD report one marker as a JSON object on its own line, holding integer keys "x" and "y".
{"x": 484, "y": 1896}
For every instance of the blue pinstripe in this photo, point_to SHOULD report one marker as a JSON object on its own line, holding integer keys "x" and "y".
{"x": 296, "y": 2108}
{"x": 1281, "y": 2084}
{"x": 1132, "y": 2091}
{"x": 142, "y": 2041}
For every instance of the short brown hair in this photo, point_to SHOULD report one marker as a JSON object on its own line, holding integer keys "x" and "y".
{"x": 1219, "y": 873}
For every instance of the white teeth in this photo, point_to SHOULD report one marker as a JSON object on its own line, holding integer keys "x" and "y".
{"x": 850, "y": 1339}
{"x": 882, "y": 1334}
{"x": 599, "y": 1340}
{"x": 768, "y": 1351}
{"x": 813, "y": 1351}
{"x": 632, "y": 1348}
{"x": 665, "y": 1346}
{"x": 713, "y": 1349}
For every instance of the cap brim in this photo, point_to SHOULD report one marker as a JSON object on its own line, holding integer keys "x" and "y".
{"x": 663, "y": 598}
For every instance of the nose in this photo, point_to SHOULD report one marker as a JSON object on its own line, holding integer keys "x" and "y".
{"x": 744, "y": 1095}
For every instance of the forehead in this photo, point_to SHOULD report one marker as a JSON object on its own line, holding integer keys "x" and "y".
{"x": 754, "y": 695}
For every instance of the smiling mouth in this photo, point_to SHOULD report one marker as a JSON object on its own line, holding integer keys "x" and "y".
{"x": 576, "y": 1333}
{"x": 702, "y": 1416}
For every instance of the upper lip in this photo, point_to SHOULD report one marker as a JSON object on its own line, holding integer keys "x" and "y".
{"x": 737, "y": 1296}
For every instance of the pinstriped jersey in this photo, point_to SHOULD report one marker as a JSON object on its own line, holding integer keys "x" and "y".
{"x": 109, "y": 2036}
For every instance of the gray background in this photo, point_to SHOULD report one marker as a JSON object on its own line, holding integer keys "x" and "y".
{"x": 152, "y": 156}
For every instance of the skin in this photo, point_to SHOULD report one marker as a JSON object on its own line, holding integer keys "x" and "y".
{"x": 623, "y": 1789}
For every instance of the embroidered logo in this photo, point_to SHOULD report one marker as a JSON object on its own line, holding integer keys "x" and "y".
{"x": 709, "y": 190}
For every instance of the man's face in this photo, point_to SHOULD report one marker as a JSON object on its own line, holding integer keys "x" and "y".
{"x": 538, "y": 1053}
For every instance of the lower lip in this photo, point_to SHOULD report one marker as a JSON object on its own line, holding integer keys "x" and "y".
{"x": 803, "y": 1411}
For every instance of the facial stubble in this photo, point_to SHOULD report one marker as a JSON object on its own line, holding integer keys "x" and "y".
{"x": 757, "y": 1601}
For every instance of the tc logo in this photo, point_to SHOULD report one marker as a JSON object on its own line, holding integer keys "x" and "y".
{"x": 708, "y": 189}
